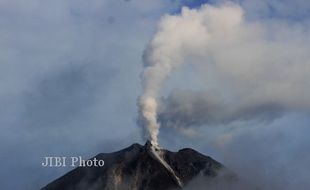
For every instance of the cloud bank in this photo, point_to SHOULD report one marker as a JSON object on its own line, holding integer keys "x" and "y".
{"x": 64, "y": 69}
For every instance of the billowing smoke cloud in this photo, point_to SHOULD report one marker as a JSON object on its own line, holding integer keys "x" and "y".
{"x": 252, "y": 70}
{"x": 184, "y": 109}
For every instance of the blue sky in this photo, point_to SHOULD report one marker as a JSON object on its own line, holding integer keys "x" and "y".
{"x": 193, "y": 3}
{"x": 70, "y": 78}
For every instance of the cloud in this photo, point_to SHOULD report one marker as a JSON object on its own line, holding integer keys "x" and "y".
{"x": 264, "y": 157}
{"x": 271, "y": 157}
{"x": 65, "y": 68}
{"x": 285, "y": 9}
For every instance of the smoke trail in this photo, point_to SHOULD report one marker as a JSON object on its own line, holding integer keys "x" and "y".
{"x": 167, "y": 51}
{"x": 159, "y": 65}
{"x": 153, "y": 78}
{"x": 148, "y": 115}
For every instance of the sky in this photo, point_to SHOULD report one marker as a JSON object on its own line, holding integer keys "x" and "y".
{"x": 70, "y": 77}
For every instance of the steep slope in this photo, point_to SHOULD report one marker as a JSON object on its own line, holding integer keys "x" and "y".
{"x": 136, "y": 168}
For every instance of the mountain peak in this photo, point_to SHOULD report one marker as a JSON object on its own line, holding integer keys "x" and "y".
{"x": 148, "y": 143}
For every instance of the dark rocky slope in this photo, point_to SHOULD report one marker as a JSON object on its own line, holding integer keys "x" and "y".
{"x": 133, "y": 168}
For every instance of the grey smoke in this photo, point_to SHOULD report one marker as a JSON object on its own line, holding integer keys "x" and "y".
{"x": 185, "y": 108}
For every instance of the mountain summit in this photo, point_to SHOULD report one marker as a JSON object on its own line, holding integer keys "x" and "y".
{"x": 139, "y": 168}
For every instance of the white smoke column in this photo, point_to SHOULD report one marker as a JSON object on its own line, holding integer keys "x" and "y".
{"x": 176, "y": 38}
{"x": 148, "y": 116}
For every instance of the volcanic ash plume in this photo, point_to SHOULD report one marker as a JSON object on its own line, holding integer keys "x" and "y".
{"x": 148, "y": 117}
{"x": 250, "y": 71}
{"x": 167, "y": 51}
{"x": 158, "y": 64}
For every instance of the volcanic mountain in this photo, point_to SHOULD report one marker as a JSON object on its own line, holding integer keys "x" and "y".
{"x": 136, "y": 168}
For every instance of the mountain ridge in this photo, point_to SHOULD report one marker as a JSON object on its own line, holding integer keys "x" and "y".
{"x": 134, "y": 168}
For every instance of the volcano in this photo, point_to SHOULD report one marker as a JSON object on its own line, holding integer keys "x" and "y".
{"x": 138, "y": 168}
